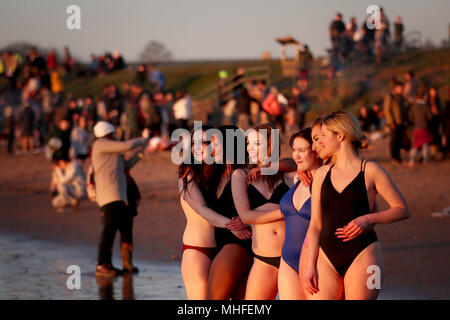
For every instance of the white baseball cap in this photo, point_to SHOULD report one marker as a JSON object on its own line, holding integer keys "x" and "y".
{"x": 103, "y": 128}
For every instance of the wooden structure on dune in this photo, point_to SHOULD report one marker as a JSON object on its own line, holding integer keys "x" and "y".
{"x": 289, "y": 66}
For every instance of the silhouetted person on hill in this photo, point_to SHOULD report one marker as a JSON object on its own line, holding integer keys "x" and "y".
{"x": 398, "y": 34}
{"x": 337, "y": 27}
{"x": 395, "y": 110}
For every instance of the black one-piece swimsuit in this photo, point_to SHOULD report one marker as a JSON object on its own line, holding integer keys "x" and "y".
{"x": 338, "y": 209}
{"x": 225, "y": 206}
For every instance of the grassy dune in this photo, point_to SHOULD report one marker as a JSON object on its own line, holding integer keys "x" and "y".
{"x": 361, "y": 84}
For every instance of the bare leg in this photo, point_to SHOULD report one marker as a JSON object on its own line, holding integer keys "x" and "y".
{"x": 331, "y": 286}
{"x": 289, "y": 287}
{"x": 31, "y": 143}
{"x": 367, "y": 267}
{"x": 23, "y": 142}
{"x": 230, "y": 265}
{"x": 262, "y": 281}
{"x": 195, "y": 269}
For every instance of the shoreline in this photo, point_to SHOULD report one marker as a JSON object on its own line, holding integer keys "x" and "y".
{"x": 415, "y": 250}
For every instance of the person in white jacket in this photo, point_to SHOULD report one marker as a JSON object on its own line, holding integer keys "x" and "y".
{"x": 182, "y": 109}
{"x": 69, "y": 182}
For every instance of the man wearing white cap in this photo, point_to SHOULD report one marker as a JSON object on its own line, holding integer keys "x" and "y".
{"x": 111, "y": 193}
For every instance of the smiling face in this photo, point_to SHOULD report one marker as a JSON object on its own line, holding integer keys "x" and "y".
{"x": 200, "y": 148}
{"x": 316, "y": 134}
{"x": 257, "y": 147}
{"x": 217, "y": 149}
{"x": 303, "y": 155}
{"x": 328, "y": 143}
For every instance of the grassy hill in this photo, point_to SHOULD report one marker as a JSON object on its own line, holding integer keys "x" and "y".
{"x": 365, "y": 84}
{"x": 357, "y": 85}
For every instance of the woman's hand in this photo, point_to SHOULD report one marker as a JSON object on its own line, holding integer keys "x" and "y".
{"x": 243, "y": 234}
{"x": 311, "y": 280}
{"x": 354, "y": 229}
{"x": 254, "y": 174}
{"x": 146, "y": 133}
{"x": 235, "y": 224}
{"x": 305, "y": 177}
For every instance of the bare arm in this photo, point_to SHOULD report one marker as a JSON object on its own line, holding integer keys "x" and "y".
{"x": 398, "y": 208}
{"x": 311, "y": 281}
{"x": 315, "y": 225}
{"x": 384, "y": 185}
{"x": 194, "y": 198}
{"x": 240, "y": 198}
{"x": 284, "y": 165}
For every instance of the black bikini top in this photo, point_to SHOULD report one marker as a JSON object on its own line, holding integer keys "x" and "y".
{"x": 256, "y": 199}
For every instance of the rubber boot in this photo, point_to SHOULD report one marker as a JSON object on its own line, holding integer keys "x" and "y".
{"x": 127, "y": 249}
{"x": 106, "y": 270}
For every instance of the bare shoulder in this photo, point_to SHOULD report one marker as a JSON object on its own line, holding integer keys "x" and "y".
{"x": 319, "y": 176}
{"x": 374, "y": 169}
{"x": 321, "y": 172}
{"x": 239, "y": 174}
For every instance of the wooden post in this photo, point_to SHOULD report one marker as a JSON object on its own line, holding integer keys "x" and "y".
{"x": 283, "y": 52}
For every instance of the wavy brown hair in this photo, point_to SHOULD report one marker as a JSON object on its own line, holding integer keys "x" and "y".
{"x": 206, "y": 176}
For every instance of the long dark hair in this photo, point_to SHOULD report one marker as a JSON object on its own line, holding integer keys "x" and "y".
{"x": 204, "y": 175}
{"x": 233, "y": 162}
{"x": 304, "y": 133}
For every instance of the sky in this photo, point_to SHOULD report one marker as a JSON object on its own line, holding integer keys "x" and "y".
{"x": 202, "y": 29}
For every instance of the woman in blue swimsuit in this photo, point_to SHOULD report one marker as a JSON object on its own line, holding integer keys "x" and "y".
{"x": 296, "y": 209}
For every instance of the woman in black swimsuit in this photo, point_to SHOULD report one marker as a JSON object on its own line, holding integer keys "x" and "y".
{"x": 230, "y": 267}
{"x": 343, "y": 256}
{"x": 267, "y": 228}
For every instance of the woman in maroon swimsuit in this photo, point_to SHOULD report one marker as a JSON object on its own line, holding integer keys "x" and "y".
{"x": 199, "y": 244}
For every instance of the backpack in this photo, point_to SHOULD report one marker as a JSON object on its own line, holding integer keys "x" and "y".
{"x": 271, "y": 105}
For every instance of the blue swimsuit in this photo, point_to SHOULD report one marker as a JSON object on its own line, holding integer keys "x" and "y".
{"x": 297, "y": 223}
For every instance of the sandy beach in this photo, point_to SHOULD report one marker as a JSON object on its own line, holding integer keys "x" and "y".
{"x": 37, "y": 243}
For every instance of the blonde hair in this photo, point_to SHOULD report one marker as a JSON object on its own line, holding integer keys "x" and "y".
{"x": 346, "y": 122}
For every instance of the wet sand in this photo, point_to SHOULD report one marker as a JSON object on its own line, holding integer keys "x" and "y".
{"x": 37, "y": 243}
{"x": 38, "y": 270}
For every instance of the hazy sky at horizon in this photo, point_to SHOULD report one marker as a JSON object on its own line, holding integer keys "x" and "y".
{"x": 202, "y": 29}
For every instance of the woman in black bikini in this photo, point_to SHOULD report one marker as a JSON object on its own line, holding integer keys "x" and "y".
{"x": 342, "y": 249}
{"x": 267, "y": 228}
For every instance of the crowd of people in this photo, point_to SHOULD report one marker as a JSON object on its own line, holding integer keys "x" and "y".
{"x": 248, "y": 235}
{"x": 367, "y": 42}
{"x": 250, "y": 102}
{"x": 34, "y": 102}
{"x": 38, "y": 116}
{"x": 251, "y": 235}
{"x": 415, "y": 117}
